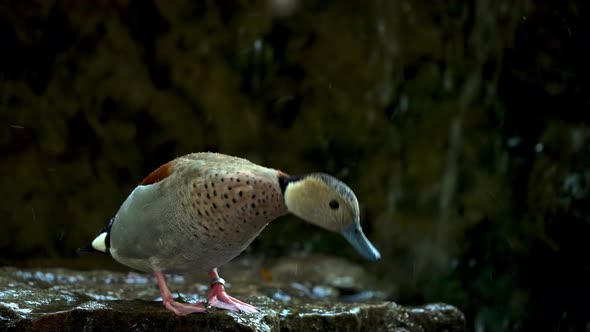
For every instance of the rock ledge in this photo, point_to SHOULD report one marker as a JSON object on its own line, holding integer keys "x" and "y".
{"x": 60, "y": 299}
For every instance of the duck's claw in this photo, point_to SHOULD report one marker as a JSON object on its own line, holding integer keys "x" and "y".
{"x": 218, "y": 298}
{"x": 183, "y": 309}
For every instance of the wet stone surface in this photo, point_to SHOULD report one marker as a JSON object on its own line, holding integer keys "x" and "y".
{"x": 293, "y": 294}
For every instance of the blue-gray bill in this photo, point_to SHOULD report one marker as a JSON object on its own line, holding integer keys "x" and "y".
{"x": 354, "y": 234}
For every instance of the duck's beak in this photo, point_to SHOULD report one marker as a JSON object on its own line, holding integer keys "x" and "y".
{"x": 354, "y": 234}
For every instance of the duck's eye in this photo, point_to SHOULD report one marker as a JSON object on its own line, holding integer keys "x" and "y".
{"x": 334, "y": 205}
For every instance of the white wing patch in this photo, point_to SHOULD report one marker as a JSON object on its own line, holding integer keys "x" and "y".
{"x": 100, "y": 242}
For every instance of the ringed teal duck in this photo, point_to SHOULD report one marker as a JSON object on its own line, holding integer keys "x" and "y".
{"x": 199, "y": 211}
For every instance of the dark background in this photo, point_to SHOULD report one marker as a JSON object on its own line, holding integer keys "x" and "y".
{"x": 462, "y": 126}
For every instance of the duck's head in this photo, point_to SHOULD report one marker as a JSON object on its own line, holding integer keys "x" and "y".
{"x": 329, "y": 203}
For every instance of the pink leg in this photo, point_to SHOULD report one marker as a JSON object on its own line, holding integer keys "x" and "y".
{"x": 218, "y": 297}
{"x": 180, "y": 309}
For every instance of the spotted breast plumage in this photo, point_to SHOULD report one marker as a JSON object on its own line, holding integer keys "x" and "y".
{"x": 201, "y": 210}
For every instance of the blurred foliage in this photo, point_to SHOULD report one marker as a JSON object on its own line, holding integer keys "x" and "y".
{"x": 462, "y": 127}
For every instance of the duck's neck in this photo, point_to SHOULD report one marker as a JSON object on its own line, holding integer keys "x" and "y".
{"x": 285, "y": 180}
{"x": 297, "y": 196}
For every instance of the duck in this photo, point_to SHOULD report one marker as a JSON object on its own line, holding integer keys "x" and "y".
{"x": 199, "y": 211}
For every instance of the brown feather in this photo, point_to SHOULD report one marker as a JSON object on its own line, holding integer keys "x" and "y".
{"x": 159, "y": 174}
